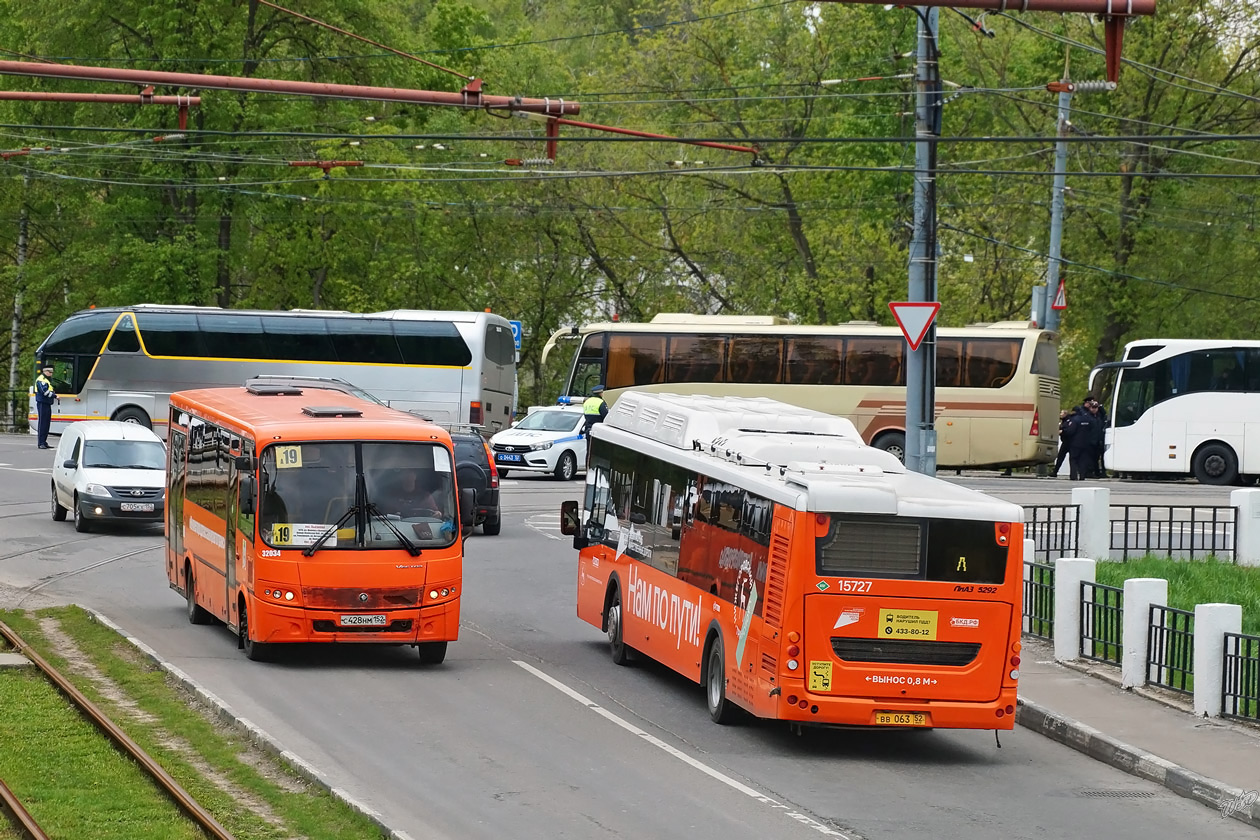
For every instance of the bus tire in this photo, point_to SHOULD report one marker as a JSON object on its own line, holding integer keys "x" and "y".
{"x": 721, "y": 709}
{"x": 566, "y": 467}
{"x": 196, "y": 614}
{"x": 1215, "y": 463}
{"x": 431, "y": 653}
{"x": 58, "y": 512}
{"x": 131, "y": 414}
{"x": 894, "y": 443}
{"x": 254, "y": 651}
{"x": 81, "y": 523}
{"x": 621, "y": 652}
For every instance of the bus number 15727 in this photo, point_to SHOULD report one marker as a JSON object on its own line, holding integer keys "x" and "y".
{"x": 853, "y": 586}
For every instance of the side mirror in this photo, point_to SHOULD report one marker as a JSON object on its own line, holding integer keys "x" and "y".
{"x": 638, "y": 519}
{"x": 569, "y": 518}
{"x": 244, "y": 463}
{"x": 69, "y": 464}
{"x": 468, "y": 506}
{"x": 249, "y": 490}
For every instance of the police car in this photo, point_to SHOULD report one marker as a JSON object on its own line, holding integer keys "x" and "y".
{"x": 548, "y": 440}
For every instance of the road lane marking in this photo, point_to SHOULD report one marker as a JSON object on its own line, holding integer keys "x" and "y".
{"x": 803, "y": 819}
{"x": 541, "y": 523}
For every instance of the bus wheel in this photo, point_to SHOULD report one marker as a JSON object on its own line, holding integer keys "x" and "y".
{"x": 894, "y": 443}
{"x": 58, "y": 512}
{"x": 130, "y": 414}
{"x": 566, "y": 467}
{"x": 617, "y": 645}
{"x": 254, "y": 651}
{"x": 1216, "y": 464}
{"x": 432, "y": 653}
{"x": 721, "y": 709}
{"x": 196, "y": 614}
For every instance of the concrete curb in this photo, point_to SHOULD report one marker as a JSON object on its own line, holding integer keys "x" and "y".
{"x": 255, "y": 734}
{"x": 1232, "y": 802}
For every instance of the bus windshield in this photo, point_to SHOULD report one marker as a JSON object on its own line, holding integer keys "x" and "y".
{"x": 309, "y": 489}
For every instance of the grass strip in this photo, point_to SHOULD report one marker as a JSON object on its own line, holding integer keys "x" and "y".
{"x": 250, "y": 793}
{"x": 1191, "y": 582}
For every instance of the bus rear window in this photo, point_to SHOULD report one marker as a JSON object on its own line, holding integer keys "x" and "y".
{"x": 950, "y": 550}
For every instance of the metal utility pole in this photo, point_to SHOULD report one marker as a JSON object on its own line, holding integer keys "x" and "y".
{"x": 921, "y": 363}
{"x": 15, "y": 332}
{"x": 1065, "y": 90}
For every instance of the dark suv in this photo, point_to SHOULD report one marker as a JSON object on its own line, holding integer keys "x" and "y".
{"x": 475, "y": 468}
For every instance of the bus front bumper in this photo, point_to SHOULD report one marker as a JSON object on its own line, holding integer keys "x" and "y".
{"x": 273, "y": 623}
{"x": 893, "y": 714}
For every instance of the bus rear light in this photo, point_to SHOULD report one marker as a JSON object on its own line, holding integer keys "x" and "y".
{"x": 1010, "y": 710}
{"x": 804, "y": 704}
{"x": 1017, "y": 647}
{"x": 474, "y": 413}
{"x": 1002, "y": 532}
{"x": 1001, "y": 712}
{"x": 1014, "y": 661}
{"x": 1014, "y": 673}
{"x": 793, "y": 664}
{"x": 791, "y": 700}
{"x": 1035, "y": 431}
{"x": 794, "y": 636}
{"x": 793, "y": 650}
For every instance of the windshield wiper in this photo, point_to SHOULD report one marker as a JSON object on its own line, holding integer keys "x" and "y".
{"x": 412, "y": 548}
{"x": 315, "y": 546}
{"x": 142, "y": 467}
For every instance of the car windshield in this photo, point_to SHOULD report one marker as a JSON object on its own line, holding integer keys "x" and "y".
{"x": 365, "y": 493}
{"x": 124, "y": 454}
{"x": 550, "y": 421}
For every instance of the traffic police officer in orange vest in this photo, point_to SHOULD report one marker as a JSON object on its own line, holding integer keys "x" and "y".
{"x": 44, "y": 396}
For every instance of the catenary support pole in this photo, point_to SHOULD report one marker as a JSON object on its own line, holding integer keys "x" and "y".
{"x": 921, "y": 363}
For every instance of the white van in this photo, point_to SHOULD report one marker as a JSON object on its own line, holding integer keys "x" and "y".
{"x": 105, "y": 469}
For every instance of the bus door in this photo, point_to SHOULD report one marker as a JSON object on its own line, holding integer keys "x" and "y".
{"x": 230, "y": 451}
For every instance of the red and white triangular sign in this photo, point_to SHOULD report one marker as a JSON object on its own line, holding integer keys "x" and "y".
{"x": 914, "y": 319}
{"x": 1060, "y": 299}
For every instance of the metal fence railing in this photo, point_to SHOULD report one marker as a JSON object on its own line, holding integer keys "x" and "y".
{"x": 17, "y": 402}
{"x": 1052, "y": 528}
{"x": 1102, "y": 614}
{"x": 1172, "y": 531}
{"x": 1039, "y": 599}
{"x": 1170, "y": 649}
{"x": 1240, "y": 683}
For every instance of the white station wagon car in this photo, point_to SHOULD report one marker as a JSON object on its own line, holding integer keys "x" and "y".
{"x": 548, "y": 440}
{"x": 104, "y": 469}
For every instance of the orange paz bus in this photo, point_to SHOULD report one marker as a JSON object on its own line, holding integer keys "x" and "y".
{"x": 765, "y": 552}
{"x": 307, "y": 515}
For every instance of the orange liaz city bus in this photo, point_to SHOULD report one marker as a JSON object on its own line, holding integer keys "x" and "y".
{"x": 765, "y": 552}
{"x": 307, "y": 515}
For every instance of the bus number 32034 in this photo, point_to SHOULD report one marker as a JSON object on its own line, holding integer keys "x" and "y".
{"x": 853, "y": 586}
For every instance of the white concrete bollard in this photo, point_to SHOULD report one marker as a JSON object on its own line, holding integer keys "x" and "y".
{"x": 1247, "y": 531}
{"x": 1139, "y": 594}
{"x": 1093, "y": 522}
{"x": 1068, "y": 574}
{"x": 1211, "y": 623}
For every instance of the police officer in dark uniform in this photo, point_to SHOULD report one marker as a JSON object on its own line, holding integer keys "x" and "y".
{"x": 44, "y": 396}
{"x": 1086, "y": 436}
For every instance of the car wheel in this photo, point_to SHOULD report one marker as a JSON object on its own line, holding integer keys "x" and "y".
{"x": 432, "y": 653}
{"x": 134, "y": 415}
{"x": 58, "y": 512}
{"x": 81, "y": 523}
{"x": 566, "y": 467}
{"x": 492, "y": 525}
{"x": 721, "y": 709}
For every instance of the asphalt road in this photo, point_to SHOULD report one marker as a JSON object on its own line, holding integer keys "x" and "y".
{"x": 529, "y": 731}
